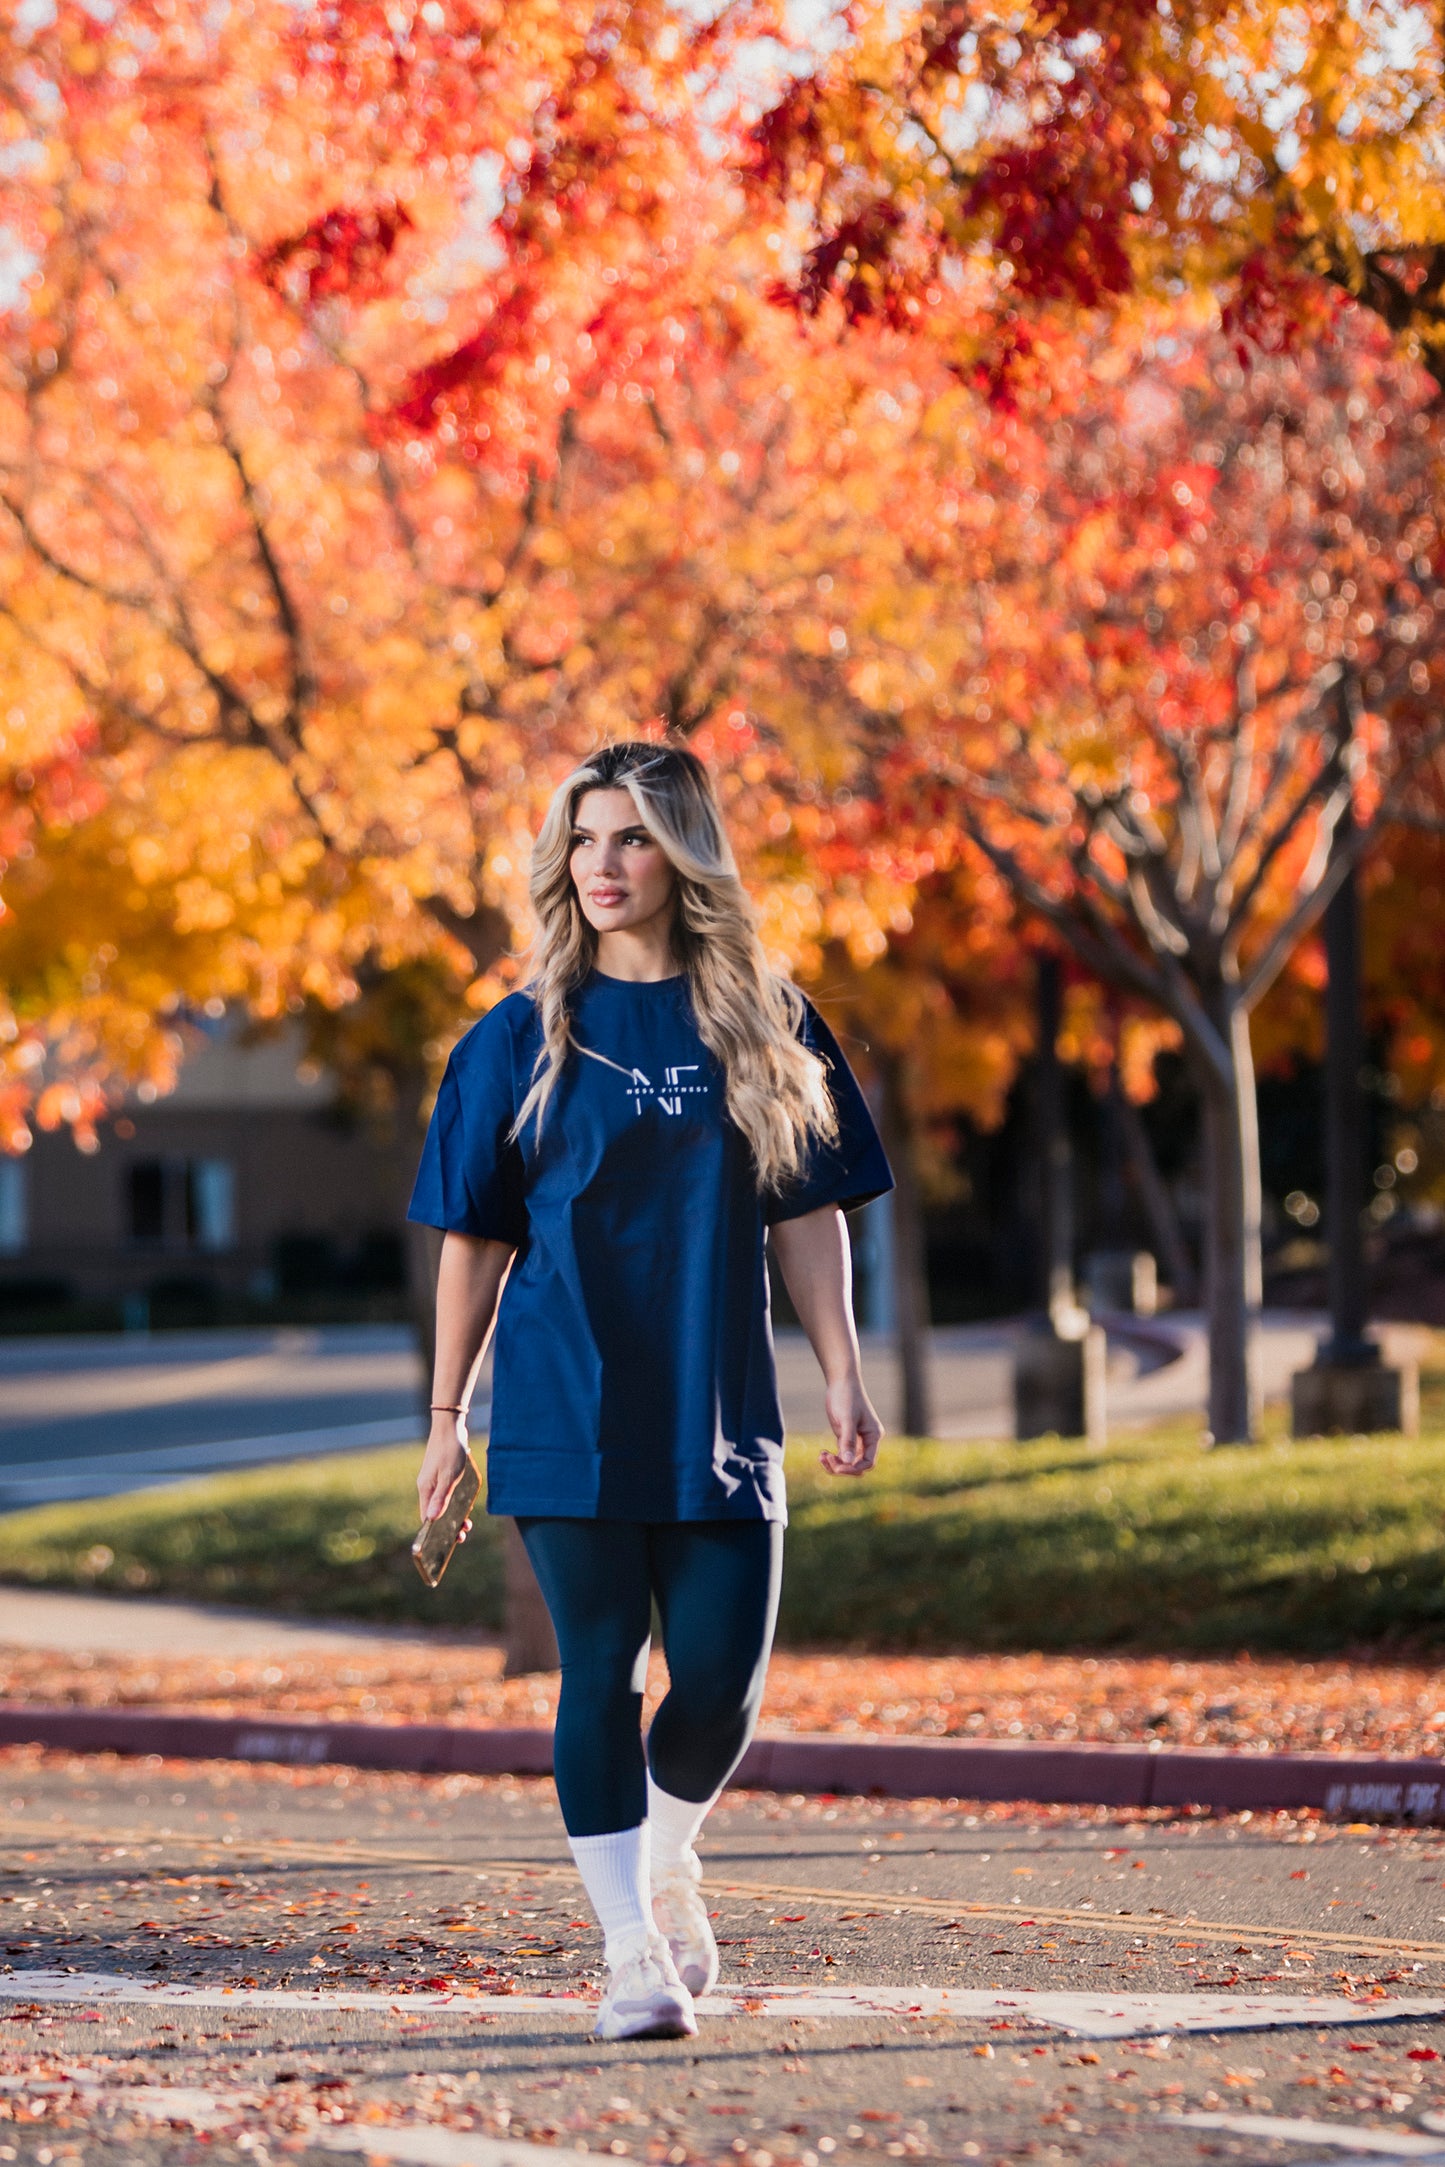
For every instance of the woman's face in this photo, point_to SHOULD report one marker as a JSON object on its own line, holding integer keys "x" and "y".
{"x": 624, "y": 879}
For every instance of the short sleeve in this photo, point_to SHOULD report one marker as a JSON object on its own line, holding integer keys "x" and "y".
{"x": 853, "y": 1168}
{"x": 470, "y": 1180}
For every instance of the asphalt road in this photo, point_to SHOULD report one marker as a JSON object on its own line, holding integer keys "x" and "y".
{"x": 89, "y": 1417}
{"x": 429, "y": 1957}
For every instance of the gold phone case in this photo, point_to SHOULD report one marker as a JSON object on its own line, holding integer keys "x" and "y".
{"x": 432, "y": 1550}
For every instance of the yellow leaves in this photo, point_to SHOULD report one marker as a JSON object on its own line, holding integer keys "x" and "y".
{"x": 148, "y": 859}
{"x": 83, "y": 57}
{"x": 202, "y": 907}
{"x": 348, "y": 764}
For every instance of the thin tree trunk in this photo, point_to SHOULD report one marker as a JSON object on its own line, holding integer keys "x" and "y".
{"x": 1233, "y": 1269}
{"x": 910, "y": 1254}
{"x": 1169, "y": 1242}
{"x": 422, "y": 1246}
{"x": 1345, "y": 1127}
{"x": 1055, "y": 1146}
{"x": 530, "y": 1643}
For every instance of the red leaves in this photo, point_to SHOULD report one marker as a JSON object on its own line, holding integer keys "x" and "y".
{"x": 1275, "y": 307}
{"x": 467, "y": 365}
{"x": 345, "y": 253}
{"x": 942, "y": 35}
{"x": 1060, "y": 206}
{"x": 1007, "y": 359}
{"x": 790, "y": 133}
{"x": 855, "y": 262}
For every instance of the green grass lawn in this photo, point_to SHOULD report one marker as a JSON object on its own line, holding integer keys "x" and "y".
{"x": 1151, "y": 1544}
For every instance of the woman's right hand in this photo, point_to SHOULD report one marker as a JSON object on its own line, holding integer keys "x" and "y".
{"x": 442, "y": 1463}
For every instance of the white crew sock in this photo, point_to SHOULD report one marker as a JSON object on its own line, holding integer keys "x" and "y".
{"x": 675, "y": 1824}
{"x": 615, "y": 1874}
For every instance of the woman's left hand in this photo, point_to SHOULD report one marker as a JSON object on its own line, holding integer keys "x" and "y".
{"x": 855, "y": 1425}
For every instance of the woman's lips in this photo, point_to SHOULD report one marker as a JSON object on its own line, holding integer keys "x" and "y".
{"x": 608, "y": 896}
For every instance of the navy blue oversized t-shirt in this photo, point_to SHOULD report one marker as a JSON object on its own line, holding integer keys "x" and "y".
{"x": 632, "y": 1374}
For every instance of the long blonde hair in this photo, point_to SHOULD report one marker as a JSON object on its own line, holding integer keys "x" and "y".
{"x": 747, "y": 1017}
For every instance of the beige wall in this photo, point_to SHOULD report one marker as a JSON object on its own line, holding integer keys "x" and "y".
{"x": 299, "y": 1169}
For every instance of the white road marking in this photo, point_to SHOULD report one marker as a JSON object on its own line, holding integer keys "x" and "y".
{"x": 95, "y": 1988}
{"x": 1084, "y": 2016}
{"x": 177, "y": 2103}
{"x": 1397, "y": 2144}
{"x": 413, "y": 2143}
{"x": 443, "y": 2147}
{"x": 215, "y": 2112}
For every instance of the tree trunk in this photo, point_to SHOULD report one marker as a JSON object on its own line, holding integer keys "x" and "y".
{"x": 1233, "y": 1269}
{"x": 422, "y": 1246}
{"x": 1055, "y": 1147}
{"x": 530, "y": 1643}
{"x": 910, "y": 1254}
{"x": 1169, "y": 1244}
{"x": 1345, "y": 1127}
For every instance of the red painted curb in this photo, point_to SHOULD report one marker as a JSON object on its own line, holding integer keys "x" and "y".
{"x": 939, "y": 1768}
{"x": 1064, "y": 1775}
{"x": 422, "y": 1748}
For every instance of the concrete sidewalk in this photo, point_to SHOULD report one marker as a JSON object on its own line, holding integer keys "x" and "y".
{"x": 1158, "y": 1369}
{"x": 111, "y": 1625}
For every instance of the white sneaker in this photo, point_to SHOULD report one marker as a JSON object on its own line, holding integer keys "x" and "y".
{"x": 681, "y": 1915}
{"x": 645, "y": 1998}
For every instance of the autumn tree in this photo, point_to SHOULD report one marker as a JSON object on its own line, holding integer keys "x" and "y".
{"x": 1269, "y": 154}
{"x": 937, "y": 1023}
{"x": 390, "y": 408}
{"x": 1188, "y": 616}
{"x": 385, "y": 417}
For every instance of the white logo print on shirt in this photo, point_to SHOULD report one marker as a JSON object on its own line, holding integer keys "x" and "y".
{"x": 669, "y": 1094}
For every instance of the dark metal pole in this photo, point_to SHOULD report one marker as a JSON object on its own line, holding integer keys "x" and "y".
{"x": 1055, "y": 1156}
{"x": 1113, "y": 1195}
{"x": 1345, "y": 1124}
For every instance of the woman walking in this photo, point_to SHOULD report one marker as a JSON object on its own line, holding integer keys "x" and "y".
{"x": 610, "y": 1152}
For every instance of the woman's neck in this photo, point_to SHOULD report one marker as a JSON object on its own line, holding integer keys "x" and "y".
{"x": 642, "y": 954}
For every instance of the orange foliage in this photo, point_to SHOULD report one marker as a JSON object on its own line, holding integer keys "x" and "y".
{"x": 385, "y": 417}
{"x": 1278, "y": 154}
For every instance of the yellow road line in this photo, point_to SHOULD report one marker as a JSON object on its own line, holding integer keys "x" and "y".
{"x": 345, "y": 1852}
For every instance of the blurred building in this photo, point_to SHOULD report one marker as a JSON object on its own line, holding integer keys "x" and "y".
{"x": 249, "y": 1190}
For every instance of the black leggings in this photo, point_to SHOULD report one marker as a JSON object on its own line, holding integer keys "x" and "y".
{"x": 716, "y": 1585}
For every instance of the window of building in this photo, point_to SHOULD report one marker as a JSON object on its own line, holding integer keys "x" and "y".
{"x": 146, "y": 1187}
{"x": 211, "y": 1203}
{"x": 181, "y": 1203}
{"x": 14, "y": 1207}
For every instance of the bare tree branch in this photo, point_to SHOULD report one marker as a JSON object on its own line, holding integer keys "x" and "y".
{"x": 1310, "y": 907}
{"x": 300, "y": 677}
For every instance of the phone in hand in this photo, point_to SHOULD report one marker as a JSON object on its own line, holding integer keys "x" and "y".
{"x": 434, "y": 1545}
